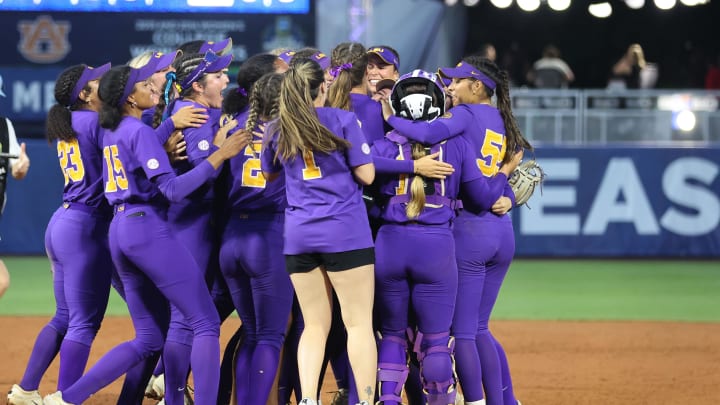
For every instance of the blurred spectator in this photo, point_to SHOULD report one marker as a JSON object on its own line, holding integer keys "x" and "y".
{"x": 487, "y": 51}
{"x": 712, "y": 77}
{"x": 632, "y": 71}
{"x": 515, "y": 62}
{"x": 550, "y": 71}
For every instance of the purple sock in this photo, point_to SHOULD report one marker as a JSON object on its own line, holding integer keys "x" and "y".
{"x": 46, "y": 348}
{"x": 176, "y": 357}
{"x": 467, "y": 364}
{"x": 508, "y": 393}
{"x": 242, "y": 369}
{"x": 108, "y": 369}
{"x": 73, "y": 359}
{"x": 205, "y": 363}
{"x": 136, "y": 380}
{"x": 491, "y": 374}
{"x": 262, "y": 373}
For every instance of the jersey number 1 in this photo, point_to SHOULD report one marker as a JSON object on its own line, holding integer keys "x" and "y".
{"x": 311, "y": 170}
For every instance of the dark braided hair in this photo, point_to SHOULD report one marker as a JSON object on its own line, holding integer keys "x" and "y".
{"x": 184, "y": 66}
{"x": 264, "y": 99}
{"x": 250, "y": 71}
{"x": 515, "y": 138}
{"x": 110, "y": 91}
{"x": 59, "y": 119}
{"x": 355, "y": 54}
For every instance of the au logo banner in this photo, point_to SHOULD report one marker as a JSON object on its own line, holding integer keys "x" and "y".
{"x": 44, "y": 40}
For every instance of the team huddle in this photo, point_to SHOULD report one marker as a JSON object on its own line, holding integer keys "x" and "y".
{"x": 352, "y": 216}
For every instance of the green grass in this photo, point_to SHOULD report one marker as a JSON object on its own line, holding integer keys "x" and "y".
{"x": 31, "y": 291}
{"x": 534, "y": 289}
{"x": 611, "y": 290}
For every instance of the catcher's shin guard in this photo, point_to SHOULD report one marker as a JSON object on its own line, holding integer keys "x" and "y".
{"x": 437, "y": 390}
{"x": 391, "y": 374}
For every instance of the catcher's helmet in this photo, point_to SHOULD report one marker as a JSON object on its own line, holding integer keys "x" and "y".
{"x": 424, "y": 106}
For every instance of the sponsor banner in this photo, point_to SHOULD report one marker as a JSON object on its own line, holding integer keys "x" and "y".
{"x": 595, "y": 202}
{"x": 160, "y": 6}
{"x": 96, "y": 38}
{"x": 29, "y": 93}
{"x": 623, "y": 202}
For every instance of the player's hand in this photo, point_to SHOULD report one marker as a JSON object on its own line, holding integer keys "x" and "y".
{"x": 236, "y": 142}
{"x": 387, "y": 111}
{"x": 428, "y": 166}
{"x": 21, "y": 166}
{"x": 502, "y": 206}
{"x": 175, "y": 147}
{"x": 510, "y": 167}
{"x": 226, "y": 125}
{"x": 189, "y": 116}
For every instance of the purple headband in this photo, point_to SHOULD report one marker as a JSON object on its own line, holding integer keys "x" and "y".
{"x": 210, "y": 63}
{"x": 137, "y": 75}
{"x": 335, "y": 71}
{"x": 220, "y": 47}
{"x": 89, "y": 74}
{"x": 464, "y": 70}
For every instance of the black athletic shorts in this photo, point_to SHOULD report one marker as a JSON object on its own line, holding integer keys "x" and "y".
{"x": 340, "y": 261}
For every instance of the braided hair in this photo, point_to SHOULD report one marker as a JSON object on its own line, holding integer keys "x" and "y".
{"x": 515, "y": 138}
{"x": 59, "y": 119}
{"x": 354, "y": 55}
{"x": 264, "y": 99}
{"x": 110, "y": 91}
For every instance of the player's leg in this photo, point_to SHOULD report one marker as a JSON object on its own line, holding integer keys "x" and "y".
{"x": 433, "y": 296}
{"x": 473, "y": 246}
{"x": 313, "y": 292}
{"x": 496, "y": 272}
{"x": 392, "y": 295}
{"x": 352, "y": 276}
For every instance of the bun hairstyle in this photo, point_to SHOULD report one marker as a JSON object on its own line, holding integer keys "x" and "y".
{"x": 250, "y": 71}
{"x": 300, "y": 130}
{"x": 348, "y": 65}
{"x": 515, "y": 138}
{"x": 59, "y": 119}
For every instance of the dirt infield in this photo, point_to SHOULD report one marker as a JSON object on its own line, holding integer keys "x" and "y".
{"x": 553, "y": 363}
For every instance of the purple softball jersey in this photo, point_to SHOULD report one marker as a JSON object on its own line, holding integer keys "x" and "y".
{"x": 133, "y": 149}
{"x": 369, "y": 112}
{"x": 81, "y": 162}
{"x": 248, "y": 189}
{"x": 455, "y": 151}
{"x": 325, "y": 211}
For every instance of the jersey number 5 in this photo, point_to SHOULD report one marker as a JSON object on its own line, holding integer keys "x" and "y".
{"x": 115, "y": 171}
{"x": 70, "y": 160}
{"x": 492, "y": 152}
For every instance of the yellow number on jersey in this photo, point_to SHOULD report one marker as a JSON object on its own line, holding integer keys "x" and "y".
{"x": 71, "y": 163}
{"x": 311, "y": 170}
{"x": 115, "y": 170}
{"x": 492, "y": 152}
{"x": 252, "y": 172}
{"x": 402, "y": 187}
